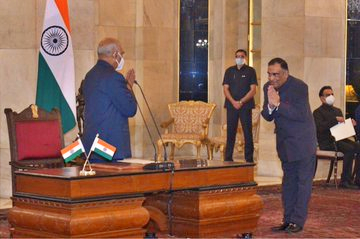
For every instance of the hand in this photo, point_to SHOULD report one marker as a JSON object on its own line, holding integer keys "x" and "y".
{"x": 237, "y": 105}
{"x": 353, "y": 122}
{"x": 130, "y": 77}
{"x": 273, "y": 97}
{"x": 340, "y": 119}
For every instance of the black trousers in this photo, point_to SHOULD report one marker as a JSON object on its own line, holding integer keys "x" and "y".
{"x": 349, "y": 148}
{"x": 233, "y": 116}
{"x": 296, "y": 189}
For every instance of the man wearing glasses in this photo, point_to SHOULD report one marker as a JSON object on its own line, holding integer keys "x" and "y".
{"x": 239, "y": 87}
{"x": 286, "y": 102}
{"x": 327, "y": 116}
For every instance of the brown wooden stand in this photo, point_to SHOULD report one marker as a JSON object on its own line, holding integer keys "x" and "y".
{"x": 206, "y": 199}
{"x": 113, "y": 218}
{"x": 212, "y": 213}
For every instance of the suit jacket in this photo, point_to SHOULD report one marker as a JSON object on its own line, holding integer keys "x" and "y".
{"x": 325, "y": 118}
{"x": 294, "y": 124}
{"x": 108, "y": 105}
{"x": 357, "y": 119}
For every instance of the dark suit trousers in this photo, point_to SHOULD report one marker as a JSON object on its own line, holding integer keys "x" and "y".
{"x": 296, "y": 189}
{"x": 245, "y": 116}
{"x": 348, "y": 148}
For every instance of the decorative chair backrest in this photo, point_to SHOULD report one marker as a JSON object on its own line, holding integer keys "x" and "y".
{"x": 189, "y": 116}
{"x": 34, "y": 134}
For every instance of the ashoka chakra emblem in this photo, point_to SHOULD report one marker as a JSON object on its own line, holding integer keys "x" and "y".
{"x": 54, "y": 40}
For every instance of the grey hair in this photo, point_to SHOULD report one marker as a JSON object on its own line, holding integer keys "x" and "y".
{"x": 107, "y": 47}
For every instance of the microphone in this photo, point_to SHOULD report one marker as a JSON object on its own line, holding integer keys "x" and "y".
{"x": 164, "y": 166}
{"x": 153, "y": 119}
{"x": 146, "y": 126}
{"x": 153, "y": 166}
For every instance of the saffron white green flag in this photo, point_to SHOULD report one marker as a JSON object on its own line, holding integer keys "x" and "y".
{"x": 72, "y": 151}
{"x": 103, "y": 148}
{"x": 56, "y": 75}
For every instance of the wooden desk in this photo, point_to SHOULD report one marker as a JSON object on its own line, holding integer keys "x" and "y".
{"x": 205, "y": 199}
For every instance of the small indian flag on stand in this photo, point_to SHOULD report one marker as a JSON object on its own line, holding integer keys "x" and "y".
{"x": 72, "y": 151}
{"x": 102, "y": 148}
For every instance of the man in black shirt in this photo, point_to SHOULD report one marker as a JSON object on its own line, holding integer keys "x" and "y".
{"x": 239, "y": 88}
{"x": 326, "y": 116}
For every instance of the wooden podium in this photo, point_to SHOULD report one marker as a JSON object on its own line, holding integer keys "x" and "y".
{"x": 199, "y": 198}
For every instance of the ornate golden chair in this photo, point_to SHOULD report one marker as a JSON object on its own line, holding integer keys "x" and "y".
{"x": 190, "y": 125}
{"x": 218, "y": 143}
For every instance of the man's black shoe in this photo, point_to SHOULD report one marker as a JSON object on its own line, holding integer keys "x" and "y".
{"x": 293, "y": 228}
{"x": 357, "y": 182}
{"x": 347, "y": 185}
{"x": 280, "y": 228}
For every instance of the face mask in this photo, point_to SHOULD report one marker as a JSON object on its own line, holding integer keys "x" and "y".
{"x": 239, "y": 61}
{"x": 330, "y": 100}
{"x": 120, "y": 64}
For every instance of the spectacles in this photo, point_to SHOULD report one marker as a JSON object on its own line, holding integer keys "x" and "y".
{"x": 276, "y": 74}
{"x": 121, "y": 54}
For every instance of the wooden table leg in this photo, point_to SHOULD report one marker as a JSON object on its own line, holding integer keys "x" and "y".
{"x": 211, "y": 213}
{"x": 106, "y": 218}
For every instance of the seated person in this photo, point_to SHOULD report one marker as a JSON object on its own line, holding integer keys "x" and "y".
{"x": 326, "y": 116}
{"x": 357, "y": 129}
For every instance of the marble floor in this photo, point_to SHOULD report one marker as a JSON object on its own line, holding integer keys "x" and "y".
{"x": 5, "y": 203}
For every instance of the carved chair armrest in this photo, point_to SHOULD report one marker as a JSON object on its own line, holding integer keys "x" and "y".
{"x": 205, "y": 126}
{"x": 14, "y": 164}
{"x": 166, "y": 124}
{"x": 41, "y": 163}
{"x": 18, "y": 165}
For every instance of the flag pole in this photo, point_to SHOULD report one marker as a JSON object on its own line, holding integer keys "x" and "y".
{"x": 85, "y": 172}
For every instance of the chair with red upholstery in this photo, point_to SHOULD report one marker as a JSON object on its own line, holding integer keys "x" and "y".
{"x": 36, "y": 139}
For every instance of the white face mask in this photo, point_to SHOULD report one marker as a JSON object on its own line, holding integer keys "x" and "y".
{"x": 120, "y": 64}
{"x": 239, "y": 61}
{"x": 330, "y": 100}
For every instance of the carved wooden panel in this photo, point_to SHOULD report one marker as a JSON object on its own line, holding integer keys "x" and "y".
{"x": 211, "y": 199}
{"x": 112, "y": 218}
{"x": 215, "y": 213}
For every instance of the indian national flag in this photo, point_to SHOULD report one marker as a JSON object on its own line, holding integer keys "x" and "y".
{"x": 103, "y": 149}
{"x": 72, "y": 151}
{"x": 56, "y": 75}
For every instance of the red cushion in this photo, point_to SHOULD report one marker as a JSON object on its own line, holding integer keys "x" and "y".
{"x": 38, "y": 139}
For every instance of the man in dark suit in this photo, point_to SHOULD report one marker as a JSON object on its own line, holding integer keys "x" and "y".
{"x": 327, "y": 116}
{"x": 109, "y": 101}
{"x": 286, "y": 102}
